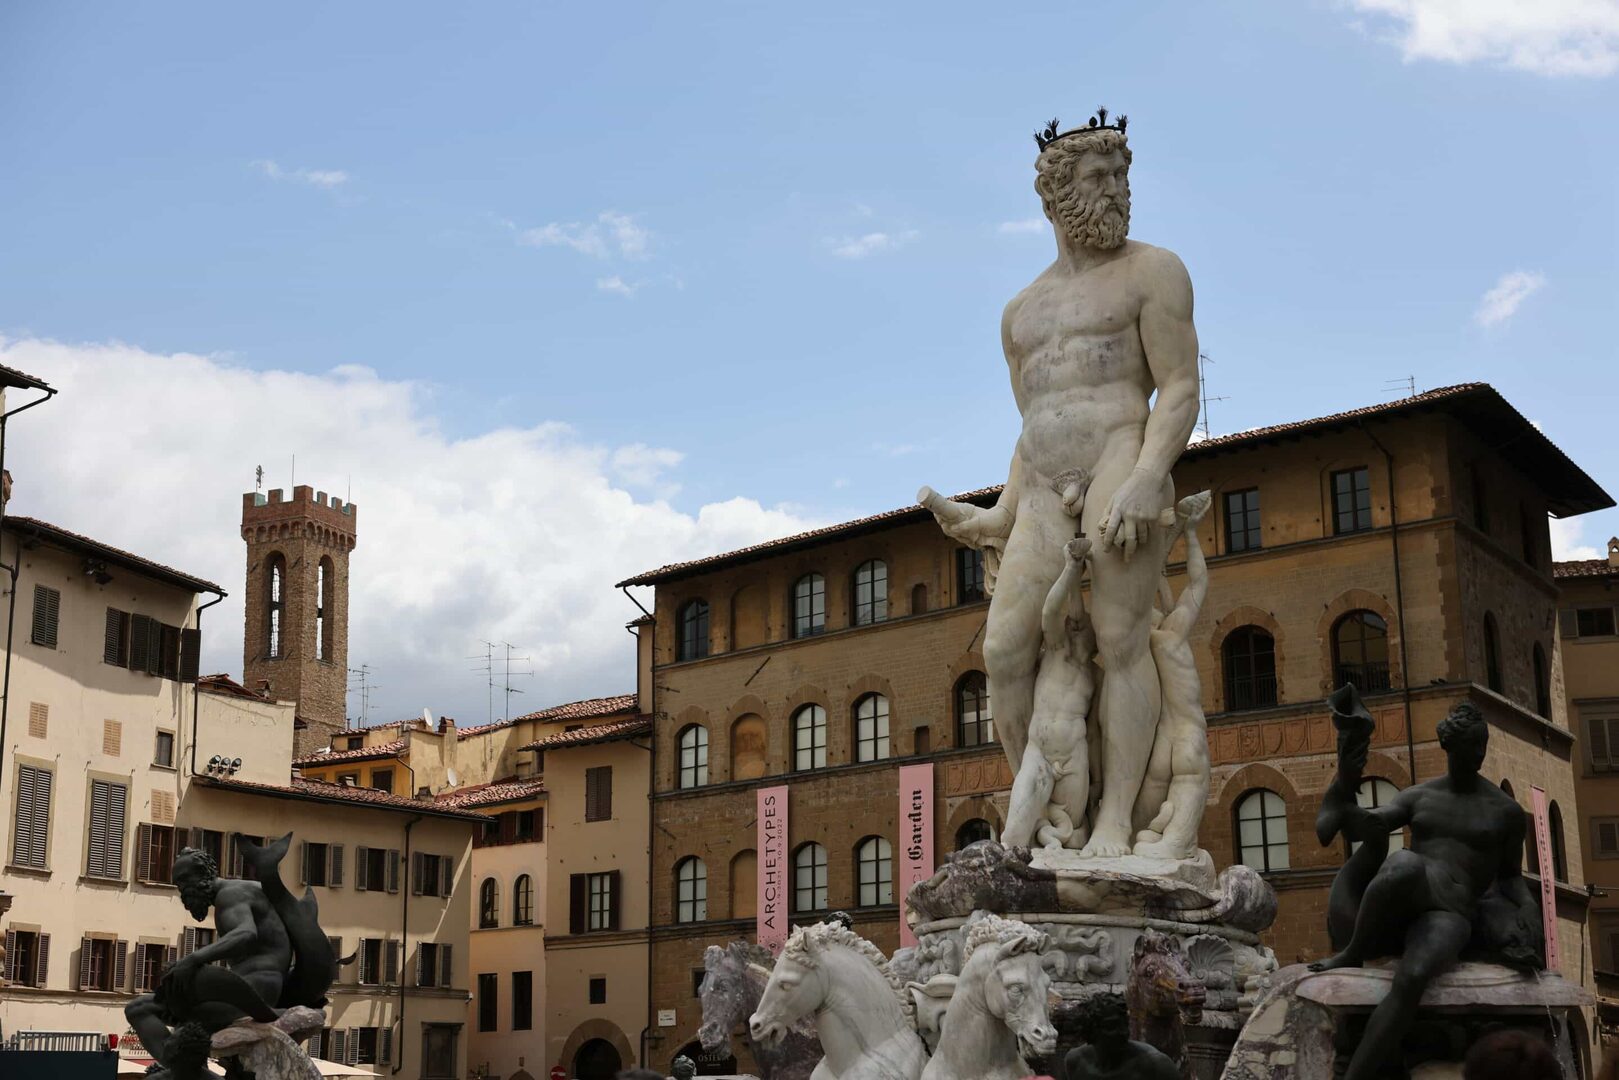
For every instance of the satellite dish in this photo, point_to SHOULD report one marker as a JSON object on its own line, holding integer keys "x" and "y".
{"x": 427, "y": 717}
{"x": 449, "y": 774}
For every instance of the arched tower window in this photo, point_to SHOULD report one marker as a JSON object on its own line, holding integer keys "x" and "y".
{"x": 1492, "y": 654}
{"x": 691, "y": 890}
{"x": 1262, "y": 830}
{"x": 691, "y": 634}
{"x": 488, "y": 904}
{"x": 275, "y": 591}
{"x": 809, "y": 879}
{"x": 871, "y": 728}
{"x": 809, "y": 738}
{"x": 975, "y": 722}
{"x": 323, "y": 621}
{"x": 1543, "y": 682}
{"x": 1554, "y": 825}
{"x": 523, "y": 901}
{"x": 870, "y": 592}
{"x": 1249, "y": 653}
{"x": 693, "y": 756}
{"x": 809, "y": 605}
{"x": 1360, "y": 651}
{"x": 874, "y": 867}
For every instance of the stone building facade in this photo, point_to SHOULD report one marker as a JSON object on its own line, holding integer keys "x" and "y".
{"x": 295, "y": 641}
{"x": 1589, "y": 636}
{"x": 1392, "y": 546}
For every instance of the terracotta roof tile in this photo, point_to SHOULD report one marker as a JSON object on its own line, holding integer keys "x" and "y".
{"x": 55, "y": 534}
{"x": 1476, "y": 403}
{"x": 318, "y": 791}
{"x": 594, "y": 733}
{"x": 587, "y": 709}
{"x": 1584, "y": 568}
{"x": 364, "y": 753}
{"x": 10, "y": 376}
{"x": 492, "y": 794}
{"x": 224, "y": 684}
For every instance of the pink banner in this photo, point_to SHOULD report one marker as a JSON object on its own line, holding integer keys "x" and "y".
{"x": 773, "y": 877}
{"x": 915, "y": 836}
{"x": 1548, "y": 876}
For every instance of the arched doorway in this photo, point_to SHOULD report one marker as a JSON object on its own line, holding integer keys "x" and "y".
{"x": 709, "y": 1062}
{"x": 596, "y": 1060}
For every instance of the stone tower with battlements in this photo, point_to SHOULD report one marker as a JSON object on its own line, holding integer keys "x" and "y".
{"x": 296, "y": 638}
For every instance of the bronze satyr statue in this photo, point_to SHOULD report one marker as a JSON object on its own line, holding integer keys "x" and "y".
{"x": 1458, "y": 889}
{"x": 275, "y": 953}
{"x": 1109, "y": 1053}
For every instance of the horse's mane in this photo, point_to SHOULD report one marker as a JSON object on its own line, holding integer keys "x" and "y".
{"x": 828, "y": 933}
{"x": 992, "y": 929}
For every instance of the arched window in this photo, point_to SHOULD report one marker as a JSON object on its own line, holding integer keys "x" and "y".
{"x": 488, "y": 904}
{"x": 523, "y": 901}
{"x": 1554, "y": 826}
{"x": 749, "y": 746}
{"x": 809, "y": 879}
{"x": 1250, "y": 668}
{"x": 874, "y": 866}
{"x": 972, "y": 831}
{"x": 691, "y": 890}
{"x": 919, "y": 599}
{"x": 870, "y": 592}
{"x": 1492, "y": 654}
{"x": 745, "y": 884}
{"x": 1360, "y": 651}
{"x": 809, "y": 605}
{"x": 1543, "y": 682}
{"x": 871, "y": 728}
{"x": 691, "y": 630}
{"x": 809, "y": 738}
{"x": 276, "y": 607}
{"x": 975, "y": 723}
{"x": 323, "y": 625}
{"x": 1262, "y": 830}
{"x": 1372, "y": 793}
{"x": 693, "y": 756}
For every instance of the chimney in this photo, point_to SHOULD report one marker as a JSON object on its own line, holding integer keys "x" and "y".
{"x": 1613, "y": 550}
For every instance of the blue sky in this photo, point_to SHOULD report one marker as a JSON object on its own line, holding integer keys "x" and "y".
{"x": 747, "y": 253}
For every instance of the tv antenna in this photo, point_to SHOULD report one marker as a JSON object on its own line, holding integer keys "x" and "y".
{"x": 362, "y": 676}
{"x": 1203, "y": 359}
{"x": 490, "y": 664}
{"x": 1405, "y": 387}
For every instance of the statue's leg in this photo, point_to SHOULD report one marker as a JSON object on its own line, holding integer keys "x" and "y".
{"x": 1433, "y": 943}
{"x": 1399, "y": 888}
{"x": 1033, "y": 559}
{"x": 1031, "y": 791}
{"x": 1121, "y": 604}
{"x": 146, "y": 1020}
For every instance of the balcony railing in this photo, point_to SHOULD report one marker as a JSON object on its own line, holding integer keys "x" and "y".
{"x": 1250, "y": 692}
{"x": 1368, "y": 678}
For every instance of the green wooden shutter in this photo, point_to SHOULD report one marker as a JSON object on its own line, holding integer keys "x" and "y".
{"x": 190, "y": 654}
{"x": 334, "y": 872}
{"x": 43, "y": 953}
{"x": 115, "y": 643}
{"x": 393, "y": 870}
{"x": 578, "y": 902}
{"x": 47, "y": 615}
{"x": 614, "y": 898}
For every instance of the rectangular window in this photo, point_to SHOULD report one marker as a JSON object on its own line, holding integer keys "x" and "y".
{"x": 1605, "y": 837}
{"x": 527, "y": 825}
{"x": 593, "y": 902}
{"x": 27, "y": 954}
{"x": 438, "y": 1050}
{"x": 193, "y": 938}
{"x": 212, "y": 841}
{"x": 383, "y": 780}
{"x": 598, "y": 990}
{"x": 1601, "y": 723}
{"x": 115, "y": 650}
{"x": 154, "y": 854}
{"x": 601, "y": 902}
{"x": 969, "y": 576}
{"x": 163, "y": 750}
{"x": 317, "y": 858}
{"x": 697, "y": 976}
{"x": 104, "y": 851}
{"x": 101, "y": 964}
{"x": 1589, "y": 622}
{"x": 31, "y": 827}
{"x": 1242, "y": 531}
{"x": 348, "y": 779}
{"x": 149, "y": 963}
{"x": 47, "y": 614}
{"x": 431, "y": 875}
{"x": 1351, "y": 500}
{"x": 370, "y": 960}
{"x": 365, "y": 1043}
{"x": 522, "y": 1000}
{"x": 235, "y": 865}
{"x": 488, "y": 1001}
{"x": 599, "y": 793}
{"x": 433, "y": 964}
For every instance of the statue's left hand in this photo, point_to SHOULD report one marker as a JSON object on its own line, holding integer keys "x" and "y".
{"x": 1131, "y": 513}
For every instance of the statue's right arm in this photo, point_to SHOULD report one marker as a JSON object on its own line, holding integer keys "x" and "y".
{"x": 238, "y": 932}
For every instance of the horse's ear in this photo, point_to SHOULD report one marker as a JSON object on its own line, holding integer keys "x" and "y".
{"x": 760, "y": 970}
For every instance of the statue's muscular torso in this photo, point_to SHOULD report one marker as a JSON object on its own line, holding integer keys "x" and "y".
{"x": 234, "y": 904}
{"x": 1079, "y": 371}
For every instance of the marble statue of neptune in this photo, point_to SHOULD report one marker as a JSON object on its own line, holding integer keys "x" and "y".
{"x": 1089, "y": 343}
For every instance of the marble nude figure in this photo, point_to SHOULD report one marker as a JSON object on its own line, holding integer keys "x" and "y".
{"x": 1102, "y": 355}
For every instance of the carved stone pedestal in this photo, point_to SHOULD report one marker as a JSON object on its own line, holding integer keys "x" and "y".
{"x": 1308, "y": 1023}
{"x": 1095, "y": 911}
{"x": 272, "y": 1051}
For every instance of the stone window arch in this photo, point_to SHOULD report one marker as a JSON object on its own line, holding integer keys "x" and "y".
{"x": 750, "y": 747}
{"x": 275, "y": 608}
{"x": 488, "y": 904}
{"x": 691, "y": 630}
{"x": 523, "y": 901}
{"x": 871, "y": 742}
{"x": 874, "y": 871}
{"x": 750, "y": 619}
{"x": 691, "y": 890}
{"x": 972, "y": 831}
{"x": 1543, "y": 681}
{"x": 1360, "y": 651}
{"x": 1261, "y": 830}
{"x": 1554, "y": 826}
{"x": 1248, "y": 661}
{"x": 745, "y": 884}
{"x": 809, "y": 879}
{"x": 870, "y": 593}
{"x": 975, "y": 719}
{"x": 1492, "y": 653}
{"x": 808, "y": 612}
{"x": 693, "y": 762}
{"x": 809, "y": 738}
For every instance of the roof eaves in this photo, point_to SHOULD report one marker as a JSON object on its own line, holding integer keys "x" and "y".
{"x": 307, "y": 794}
{"x": 45, "y": 532}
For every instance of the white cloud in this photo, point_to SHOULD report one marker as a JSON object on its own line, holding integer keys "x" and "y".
{"x": 320, "y": 178}
{"x": 872, "y": 243}
{"x": 1545, "y": 37}
{"x": 611, "y": 234}
{"x": 1567, "y": 537}
{"x": 616, "y": 284}
{"x": 1510, "y": 290}
{"x": 509, "y": 534}
{"x": 1023, "y": 227}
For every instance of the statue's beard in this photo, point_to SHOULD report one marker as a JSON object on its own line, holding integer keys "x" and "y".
{"x": 1101, "y": 223}
{"x": 198, "y": 898}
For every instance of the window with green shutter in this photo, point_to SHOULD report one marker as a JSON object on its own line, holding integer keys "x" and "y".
{"x": 31, "y": 828}
{"x": 104, "y": 854}
{"x": 47, "y": 615}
